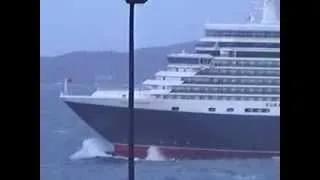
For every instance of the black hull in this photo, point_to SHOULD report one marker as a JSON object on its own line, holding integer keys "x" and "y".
{"x": 221, "y": 134}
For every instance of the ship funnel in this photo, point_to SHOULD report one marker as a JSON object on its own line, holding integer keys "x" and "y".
{"x": 269, "y": 15}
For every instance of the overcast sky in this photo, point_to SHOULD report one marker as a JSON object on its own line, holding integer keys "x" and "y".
{"x": 71, "y": 25}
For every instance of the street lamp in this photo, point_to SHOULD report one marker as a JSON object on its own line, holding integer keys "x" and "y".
{"x": 131, "y": 86}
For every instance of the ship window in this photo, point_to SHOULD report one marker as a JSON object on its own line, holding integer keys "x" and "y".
{"x": 258, "y": 54}
{"x": 256, "y": 99}
{"x": 204, "y": 61}
{"x": 242, "y": 63}
{"x": 202, "y": 97}
{"x": 269, "y": 90}
{"x": 259, "y": 99}
{"x": 247, "y": 110}
{"x": 192, "y": 97}
{"x": 224, "y": 62}
{"x": 157, "y": 96}
{"x": 233, "y": 98}
{"x": 255, "y": 110}
{"x": 233, "y": 71}
{"x": 230, "y": 110}
{"x": 164, "y": 78}
{"x": 270, "y": 63}
{"x": 259, "y": 81}
{"x": 175, "y": 108}
{"x": 182, "y": 97}
{"x": 179, "y": 60}
{"x": 211, "y": 109}
{"x": 265, "y": 110}
{"x": 219, "y": 98}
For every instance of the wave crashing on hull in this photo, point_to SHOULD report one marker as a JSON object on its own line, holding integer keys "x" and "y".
{"x": 92, "y": 148}
{"x": 98, "y": 148}
{"x": 154, "y": 154}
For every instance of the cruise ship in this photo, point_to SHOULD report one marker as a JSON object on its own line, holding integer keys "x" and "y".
{"x": 220, "y": 101}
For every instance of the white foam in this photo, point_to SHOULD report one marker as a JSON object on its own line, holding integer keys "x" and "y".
{"x": 154, "y": 154}
{"x": 91, "y": 148}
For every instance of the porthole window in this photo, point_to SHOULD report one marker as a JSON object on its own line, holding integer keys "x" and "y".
{"x": 211, "y": 109}
{"x": 255, "y": 110}
{"x": 230, "y": 110}
{"x": 175, "y": 108}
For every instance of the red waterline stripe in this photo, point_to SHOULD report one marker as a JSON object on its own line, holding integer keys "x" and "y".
{"x": 203, "y": 149}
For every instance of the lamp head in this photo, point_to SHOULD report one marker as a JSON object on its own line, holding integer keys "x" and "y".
{"x": 136, "y": 1}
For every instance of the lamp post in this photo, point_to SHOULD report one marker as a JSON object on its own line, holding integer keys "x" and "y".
{"x": 131, "y": 86}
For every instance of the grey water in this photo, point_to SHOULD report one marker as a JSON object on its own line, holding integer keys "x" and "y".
{"x": 62, "y": 134}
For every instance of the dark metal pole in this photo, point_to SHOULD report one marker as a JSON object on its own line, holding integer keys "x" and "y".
{"x": 131, "y": 86}
{"x": 131, "y": 92}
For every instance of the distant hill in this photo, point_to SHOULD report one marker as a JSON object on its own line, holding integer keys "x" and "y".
{"x": 86, "y": 67}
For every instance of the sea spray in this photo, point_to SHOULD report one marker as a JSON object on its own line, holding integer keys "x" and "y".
{"x": 91, "y": 148}
{"x": 154, "y": 154}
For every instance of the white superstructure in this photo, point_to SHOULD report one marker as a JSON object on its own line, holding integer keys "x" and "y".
{"x": 235, "y": 70}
